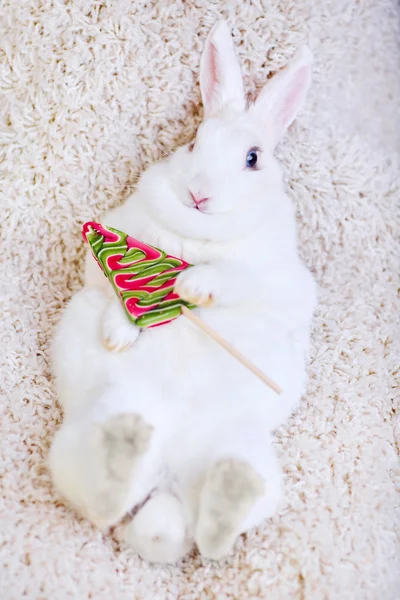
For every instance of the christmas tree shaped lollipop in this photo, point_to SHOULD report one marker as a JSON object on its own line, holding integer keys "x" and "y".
{"x": 143, "y": 277}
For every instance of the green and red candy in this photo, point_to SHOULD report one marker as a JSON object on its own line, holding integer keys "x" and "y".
{"x": 142, "y": 276}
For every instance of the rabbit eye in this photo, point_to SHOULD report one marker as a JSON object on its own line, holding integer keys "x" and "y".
{"x": 252, "y": 158}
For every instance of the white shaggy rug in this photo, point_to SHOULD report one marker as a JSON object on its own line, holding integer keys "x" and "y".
{"x": 91, "y": 92}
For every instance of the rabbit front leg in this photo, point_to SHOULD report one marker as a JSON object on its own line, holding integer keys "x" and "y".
{"x": 224, "y": 283}
{"x": 117, "y": 332}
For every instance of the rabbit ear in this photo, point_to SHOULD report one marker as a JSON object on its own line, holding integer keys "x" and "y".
{"x": 283, "y": 96}
{"x": 220, "y": 78}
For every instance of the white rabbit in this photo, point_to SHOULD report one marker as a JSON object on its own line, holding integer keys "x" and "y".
{"x": 165, "y": 420}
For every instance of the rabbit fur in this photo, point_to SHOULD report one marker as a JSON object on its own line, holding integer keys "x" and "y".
{"x": 163, "y": 418}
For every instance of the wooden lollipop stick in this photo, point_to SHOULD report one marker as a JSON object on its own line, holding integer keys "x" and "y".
{"x": 229, "y": 348}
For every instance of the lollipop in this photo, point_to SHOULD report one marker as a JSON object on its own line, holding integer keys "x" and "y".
{"x": 143, "y": 277}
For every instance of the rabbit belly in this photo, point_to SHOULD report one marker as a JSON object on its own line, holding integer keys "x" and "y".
{"x": 179, "y": 366}
{"x": 200, "y": 404}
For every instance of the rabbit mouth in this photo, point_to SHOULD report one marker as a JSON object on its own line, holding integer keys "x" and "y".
{"x": 202, "y": 206}
{"x": 199, "y": 201}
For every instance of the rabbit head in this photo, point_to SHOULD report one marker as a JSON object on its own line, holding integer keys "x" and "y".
{"x": 227, "y": 182}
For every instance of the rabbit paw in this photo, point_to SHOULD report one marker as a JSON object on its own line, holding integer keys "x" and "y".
{"x": 231, "y": 488}
{"x": 197, "y": 285}
{"x": 117, "y": 445}
{"x": 117, "y": 333}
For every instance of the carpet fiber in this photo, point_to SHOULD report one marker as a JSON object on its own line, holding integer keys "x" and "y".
{"x": 92, "y": 92}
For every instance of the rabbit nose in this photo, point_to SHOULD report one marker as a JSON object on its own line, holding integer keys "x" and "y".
{"x": 200, "y": 189}
{"x": 198, "y": 198}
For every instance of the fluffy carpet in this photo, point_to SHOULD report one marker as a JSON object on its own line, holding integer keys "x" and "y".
{"x": 92, "y": 92}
